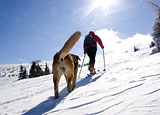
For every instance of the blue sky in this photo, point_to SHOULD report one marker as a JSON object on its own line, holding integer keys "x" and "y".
{"x": 37, "y": 29}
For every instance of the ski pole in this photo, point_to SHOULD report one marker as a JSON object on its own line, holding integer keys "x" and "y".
{"x": 104, "y": 60}
{"x": 81, "y": 66}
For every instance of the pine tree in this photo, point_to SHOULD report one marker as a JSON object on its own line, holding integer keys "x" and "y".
{"x": 22, "y": 73}
{"x": 135, "y": 49}
{"x": 47, "y": 71}
{"x": 25, "y": 73}
{"x": 32, "y": 72}
{"x": 35, "y": 70}
{"x": 39, "y": 71}
{"x": 152, "y": 44}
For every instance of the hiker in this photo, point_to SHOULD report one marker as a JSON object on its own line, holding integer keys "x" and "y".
{"x": 90, "y": 47}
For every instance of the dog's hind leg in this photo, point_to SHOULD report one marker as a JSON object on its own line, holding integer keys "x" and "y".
{"x": 56, "y": 78}
{"x": 69, "y": 78}
{"x": 74, "y": 80}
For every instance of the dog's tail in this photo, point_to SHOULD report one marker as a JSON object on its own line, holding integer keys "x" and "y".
{"x": 69, "y": 44}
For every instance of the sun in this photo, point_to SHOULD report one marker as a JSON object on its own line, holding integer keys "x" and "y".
{"x": 105, "y": 4}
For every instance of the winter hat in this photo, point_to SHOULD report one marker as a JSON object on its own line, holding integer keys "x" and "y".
{"x": 91, "y": 33}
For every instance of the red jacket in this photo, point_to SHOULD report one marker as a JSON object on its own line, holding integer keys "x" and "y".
{"x": 96, "y": 39}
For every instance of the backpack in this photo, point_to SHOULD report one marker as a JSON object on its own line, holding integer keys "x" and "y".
{"x": 89, "y": 42}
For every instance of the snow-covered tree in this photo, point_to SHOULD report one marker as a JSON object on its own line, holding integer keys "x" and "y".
{"x": 22, "y": 73}
{"x": 32, "y": 72}
{"x": 35, "y": 70}
{"x": 155, "y": 5}
{"x": 47, "y": 71}
{"x": 39, "y": 71}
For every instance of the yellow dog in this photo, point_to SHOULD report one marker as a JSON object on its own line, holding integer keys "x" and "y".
{"x": 67, "y": 64}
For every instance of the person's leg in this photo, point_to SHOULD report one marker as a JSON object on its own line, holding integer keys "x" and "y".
{"x": 91, "y": 52}
{"x": 93, "y": 56}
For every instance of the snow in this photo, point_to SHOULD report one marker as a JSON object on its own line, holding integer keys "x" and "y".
{"x": 130, "y": 86}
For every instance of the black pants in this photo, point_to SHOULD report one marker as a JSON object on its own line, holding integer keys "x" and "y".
{"x": 91, "y": 52}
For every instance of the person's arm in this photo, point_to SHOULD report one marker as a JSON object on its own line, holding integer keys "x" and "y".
{"x": 97, "y": 39}
{"x": 84, "y": 48}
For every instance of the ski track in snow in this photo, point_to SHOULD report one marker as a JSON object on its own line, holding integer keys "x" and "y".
{"x": 130, "y": 86}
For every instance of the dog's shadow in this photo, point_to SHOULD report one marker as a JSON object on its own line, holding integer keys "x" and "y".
{"x": 51, "y": 103}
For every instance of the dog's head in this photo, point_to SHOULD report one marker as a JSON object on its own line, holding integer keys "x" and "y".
{"x": 75, "y": 58}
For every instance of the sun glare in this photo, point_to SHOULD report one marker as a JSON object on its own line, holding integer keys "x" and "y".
{"x": 105, "y": 4}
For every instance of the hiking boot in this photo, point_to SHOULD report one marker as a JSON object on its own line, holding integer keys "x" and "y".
{"x": 93, "y": 72}
{"x": 91, "y": 69}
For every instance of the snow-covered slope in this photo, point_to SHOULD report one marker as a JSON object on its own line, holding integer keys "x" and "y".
{"x": 12, "y": 70}
{"x": 130, "y": 86}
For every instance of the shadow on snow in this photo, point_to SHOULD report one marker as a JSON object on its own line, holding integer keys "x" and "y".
{"x": 51, "y": 103}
